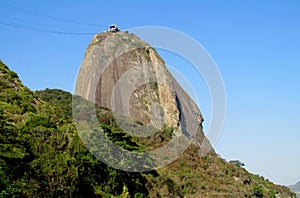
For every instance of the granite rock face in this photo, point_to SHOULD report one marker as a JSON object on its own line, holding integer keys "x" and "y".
{"x": 125, "y": 74}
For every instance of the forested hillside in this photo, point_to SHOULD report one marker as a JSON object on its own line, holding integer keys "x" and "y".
{"x": 41, "y": 155}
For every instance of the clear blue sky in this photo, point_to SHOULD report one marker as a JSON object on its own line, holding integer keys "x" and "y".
{"x": 256, "y": 45}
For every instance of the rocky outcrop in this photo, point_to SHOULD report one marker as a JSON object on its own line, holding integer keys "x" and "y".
{"x": 126, "y": 75}
{"x": 296, "y": 188}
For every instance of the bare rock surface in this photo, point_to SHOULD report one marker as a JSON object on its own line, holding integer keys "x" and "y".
{"x": 126, "y": 75}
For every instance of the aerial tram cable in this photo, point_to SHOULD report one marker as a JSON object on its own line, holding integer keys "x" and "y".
{"x": 37, "y": 29}
{"x": 36, "y": 14}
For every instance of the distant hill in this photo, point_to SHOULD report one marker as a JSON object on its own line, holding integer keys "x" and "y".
{"x": 296, "y": 188}
{"x": 42, "y": 155}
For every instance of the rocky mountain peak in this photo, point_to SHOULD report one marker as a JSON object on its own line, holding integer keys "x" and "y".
{"x": 126, "y": 75}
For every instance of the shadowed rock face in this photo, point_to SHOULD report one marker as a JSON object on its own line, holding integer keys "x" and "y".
{"x": 126, "y": 75}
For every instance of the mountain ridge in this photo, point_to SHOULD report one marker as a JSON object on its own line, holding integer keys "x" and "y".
{"x": 42, "y": 155}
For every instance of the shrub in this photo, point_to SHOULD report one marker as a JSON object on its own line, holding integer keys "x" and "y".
{"x": 257, "y": 191}
{"x": 272, "y": 194}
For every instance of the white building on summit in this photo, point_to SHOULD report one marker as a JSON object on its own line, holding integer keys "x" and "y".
{"x": 113, "y": 28}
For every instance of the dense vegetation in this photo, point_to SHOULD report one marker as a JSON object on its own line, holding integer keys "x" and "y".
{"x": 41, "y": 155}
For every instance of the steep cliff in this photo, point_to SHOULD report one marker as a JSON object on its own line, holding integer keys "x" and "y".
{"x": 126, "y": 75}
